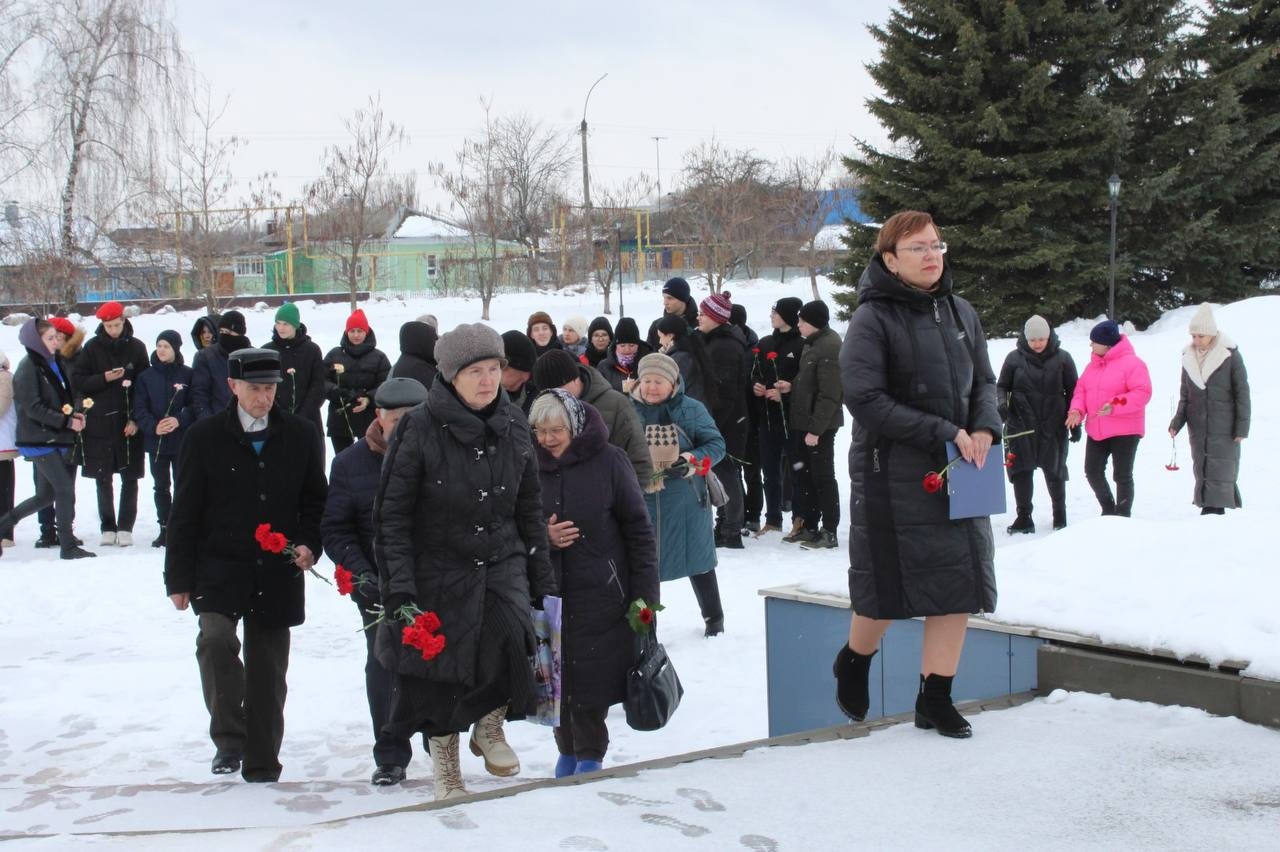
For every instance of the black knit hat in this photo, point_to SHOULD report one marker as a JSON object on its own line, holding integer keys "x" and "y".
{"x": 600, "y": 324}
{"x": 520, "y": 351}
{"x": 627, "y": 331}
{"x": 1106, "y": 333}
{"x": 788, "y": 310}
{"x": 738, "y": 314}
{"x": 816, "y": 314}
{"x": 172, "y": 338}
{"x": 673, "y": 324}
{"x": 677, "y": 287}
{"x": 232, "y": 321}
{"x": 554, "y": 368}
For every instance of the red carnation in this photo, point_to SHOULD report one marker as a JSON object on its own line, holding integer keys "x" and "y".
{"x": 704, "y": 466}
{"x": 755, "y": 350}
{"x": 932, "y": 482}
{"x": 646, "y": 616}
{"x": 772, "y": 356}
{"x": 1008, "y": 459}
{"x": 343, "y": 578}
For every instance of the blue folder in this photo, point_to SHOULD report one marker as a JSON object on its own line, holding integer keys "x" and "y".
{"x": 976, "y": 493}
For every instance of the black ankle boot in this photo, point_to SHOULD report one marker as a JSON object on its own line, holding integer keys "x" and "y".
{"x": 935, "y": 710}
{"x": 852, "y": 671}
{"x": 714, "y": 626}
{"x": 1021, "y": 524}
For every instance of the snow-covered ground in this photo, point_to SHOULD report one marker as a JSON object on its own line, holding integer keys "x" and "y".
{"x": 102, "y": 727}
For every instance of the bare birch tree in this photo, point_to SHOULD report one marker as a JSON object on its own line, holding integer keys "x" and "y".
{"x": 108, "y": 77}
{"x": 808, "y": 200}
{"x": 615, "y": 206}
{"x": 358, "y": 195}
{"x": 18, "y": 35}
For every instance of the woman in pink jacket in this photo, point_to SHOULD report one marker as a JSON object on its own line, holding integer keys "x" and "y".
{"x": 1111, "y": 400}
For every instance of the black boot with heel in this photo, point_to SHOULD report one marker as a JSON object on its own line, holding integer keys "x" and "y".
{"x": 853, "y": 672}
{"x": 934, "y": 710}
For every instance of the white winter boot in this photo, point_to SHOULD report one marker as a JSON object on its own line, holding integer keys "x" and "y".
{"x": 488, "y": 741}
{"x": 448, "y": 772}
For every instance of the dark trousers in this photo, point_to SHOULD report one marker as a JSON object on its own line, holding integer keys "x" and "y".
{"x": 163, "y": 472}
{"x": 753, "y": 500}
{"x": 388, "y": 749}
{"x": 706, "y": 588}
{"x": 816, "y": 482}
{"x": 1024, "y": 487}
{"x": 55, "y": 486}
{"x": 776, "y": 452}
{"x": 1121, "y": 450}
{"x": 6, "y": 494}
{"x": 729, "y": 516}
{"x": 582, "y": 732}
{"x": 245, "y": 700}
{"x": 110, "y": 521}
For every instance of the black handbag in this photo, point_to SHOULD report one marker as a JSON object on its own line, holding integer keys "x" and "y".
{"x": 653, "y": 687}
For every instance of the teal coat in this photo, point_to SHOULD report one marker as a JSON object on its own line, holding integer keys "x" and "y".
{"x": 681, "y": 512}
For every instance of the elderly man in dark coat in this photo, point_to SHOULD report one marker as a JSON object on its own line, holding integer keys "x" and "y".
{"x": 558, "y": 369}
{"x": 347, "y": 529}
{"x": 250, "y": 465}
{"x": 105, "y": 372}
{"x": 605, "y": 557}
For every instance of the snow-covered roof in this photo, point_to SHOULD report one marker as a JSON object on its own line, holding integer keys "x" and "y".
{"x": 420, "y": 226}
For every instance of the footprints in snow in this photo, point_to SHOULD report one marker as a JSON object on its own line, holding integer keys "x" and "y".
{"x": 701, "y": 800}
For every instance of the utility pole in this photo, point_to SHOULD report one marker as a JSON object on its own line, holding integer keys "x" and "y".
{"x": 657, "y": 156}
{"x": 586, "y": 173}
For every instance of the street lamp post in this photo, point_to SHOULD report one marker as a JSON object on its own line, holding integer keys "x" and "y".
{"x": 1113, "y": 186}
{"x": 586, "y": 173}
{"x": 657, "y": 156}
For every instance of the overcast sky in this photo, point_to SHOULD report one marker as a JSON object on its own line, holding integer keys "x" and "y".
{"x": 781, "y": 78}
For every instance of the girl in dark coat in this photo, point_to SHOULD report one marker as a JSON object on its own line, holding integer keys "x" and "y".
{"x": 160, "y": 410}
{"x": 460, "y": 533}
{"x": 619, "y": 368}
{"x": 599, "y": 341}
{"x": 106, "y": 372}
{"x": 916, "y": 375}
{"x": 45, "y": 432}
{"x": 302, "y": 390}
{"x": 730, "y": 371}
{"x": 417, "y": 353}
{"x": 355, "y": 369}
{"x": 773, "y": 368}
{"x": 1034, "y": 390}
{"x": 1214, "y": 406}
{"x": 542, "y": 331}
{"x": 205, "y": 331}
{"x": 604, "y": 557}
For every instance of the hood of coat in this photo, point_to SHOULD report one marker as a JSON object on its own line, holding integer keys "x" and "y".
{"x": 203, "y": 323}
{"x": 878, "y": 283}
{"x": 419, "y": 339}
{"x": 72, "y": 345}
{"x": 299, "y": 337}
{"x": 1049, "y": 350}
{"x": 370, "y": 343}
{"x": 590, "y": 442}
{"x": 1122, "y": 350}
{"x": 29, "y": 337}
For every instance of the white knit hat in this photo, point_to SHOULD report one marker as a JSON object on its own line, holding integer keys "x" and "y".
{"x": 1036, "y": 328}
{"x": 1202, "y": 322}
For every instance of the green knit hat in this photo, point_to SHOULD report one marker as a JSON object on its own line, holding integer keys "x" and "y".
{"x": 289, "y": 313}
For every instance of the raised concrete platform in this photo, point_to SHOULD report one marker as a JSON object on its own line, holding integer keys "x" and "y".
{"x": 804, "y": 630}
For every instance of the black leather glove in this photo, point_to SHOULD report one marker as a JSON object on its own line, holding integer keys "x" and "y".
{"x": 1075, "y": 434}
{"x": 392, "y": 604}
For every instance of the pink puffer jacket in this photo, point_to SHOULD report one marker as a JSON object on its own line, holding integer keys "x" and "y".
{"x": 1120, "y": 374}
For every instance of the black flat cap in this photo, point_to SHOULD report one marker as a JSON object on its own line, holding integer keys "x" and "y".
{"x": 400, "y": 393}
{"x": 254, "y": 365}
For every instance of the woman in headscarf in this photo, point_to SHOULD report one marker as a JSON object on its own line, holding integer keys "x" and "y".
{"x": 602, "y": 551}
{"x": 1214, "y": 406}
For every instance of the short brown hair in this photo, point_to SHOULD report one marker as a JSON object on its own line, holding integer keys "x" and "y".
{"x": 900, "y": 225}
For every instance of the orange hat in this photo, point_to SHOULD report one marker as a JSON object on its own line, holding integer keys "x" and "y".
{"x": 357, "y": 320}
{"x": 110, "y": 311}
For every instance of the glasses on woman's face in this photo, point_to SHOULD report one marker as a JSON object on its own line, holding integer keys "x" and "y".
{"x": 921, "y": 249}
{"x": 556, "y": 432}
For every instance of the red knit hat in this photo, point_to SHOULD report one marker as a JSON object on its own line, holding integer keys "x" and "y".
{"x": 717, "y": 307}
{"x": 63, "y": 325}
{"x": 110, "y": 311}
{"x": 358, "y": 320}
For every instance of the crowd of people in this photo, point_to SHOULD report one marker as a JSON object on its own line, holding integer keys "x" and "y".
{"x": 483, "y": 472}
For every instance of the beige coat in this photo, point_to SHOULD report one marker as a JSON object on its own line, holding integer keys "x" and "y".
{"x": 8, "y": 416}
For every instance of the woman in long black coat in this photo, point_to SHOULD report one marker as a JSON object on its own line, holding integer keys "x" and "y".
{"x": 916, "y": 375}
{"x": 355, "y": 369}
{"x": 301, "y": 391}
{"x": 1214, "y": 406}
{"x": 1033, "y": 395}
{"x": 460, "y": 533}
{"x": 105, "y": 372}
{"x": 604, "y": 555}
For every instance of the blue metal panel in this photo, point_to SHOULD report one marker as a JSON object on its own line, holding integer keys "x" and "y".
{"x": 900, "y": 648}
{"x": 1022, "y": 663}
{"x": 984, "y": 666}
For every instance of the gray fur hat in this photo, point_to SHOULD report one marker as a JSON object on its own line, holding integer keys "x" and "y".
{"x": 465, "y": 345}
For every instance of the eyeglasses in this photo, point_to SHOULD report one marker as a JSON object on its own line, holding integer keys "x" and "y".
{"x": 920, "y": 249}
{"x": 553, "y": 432}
